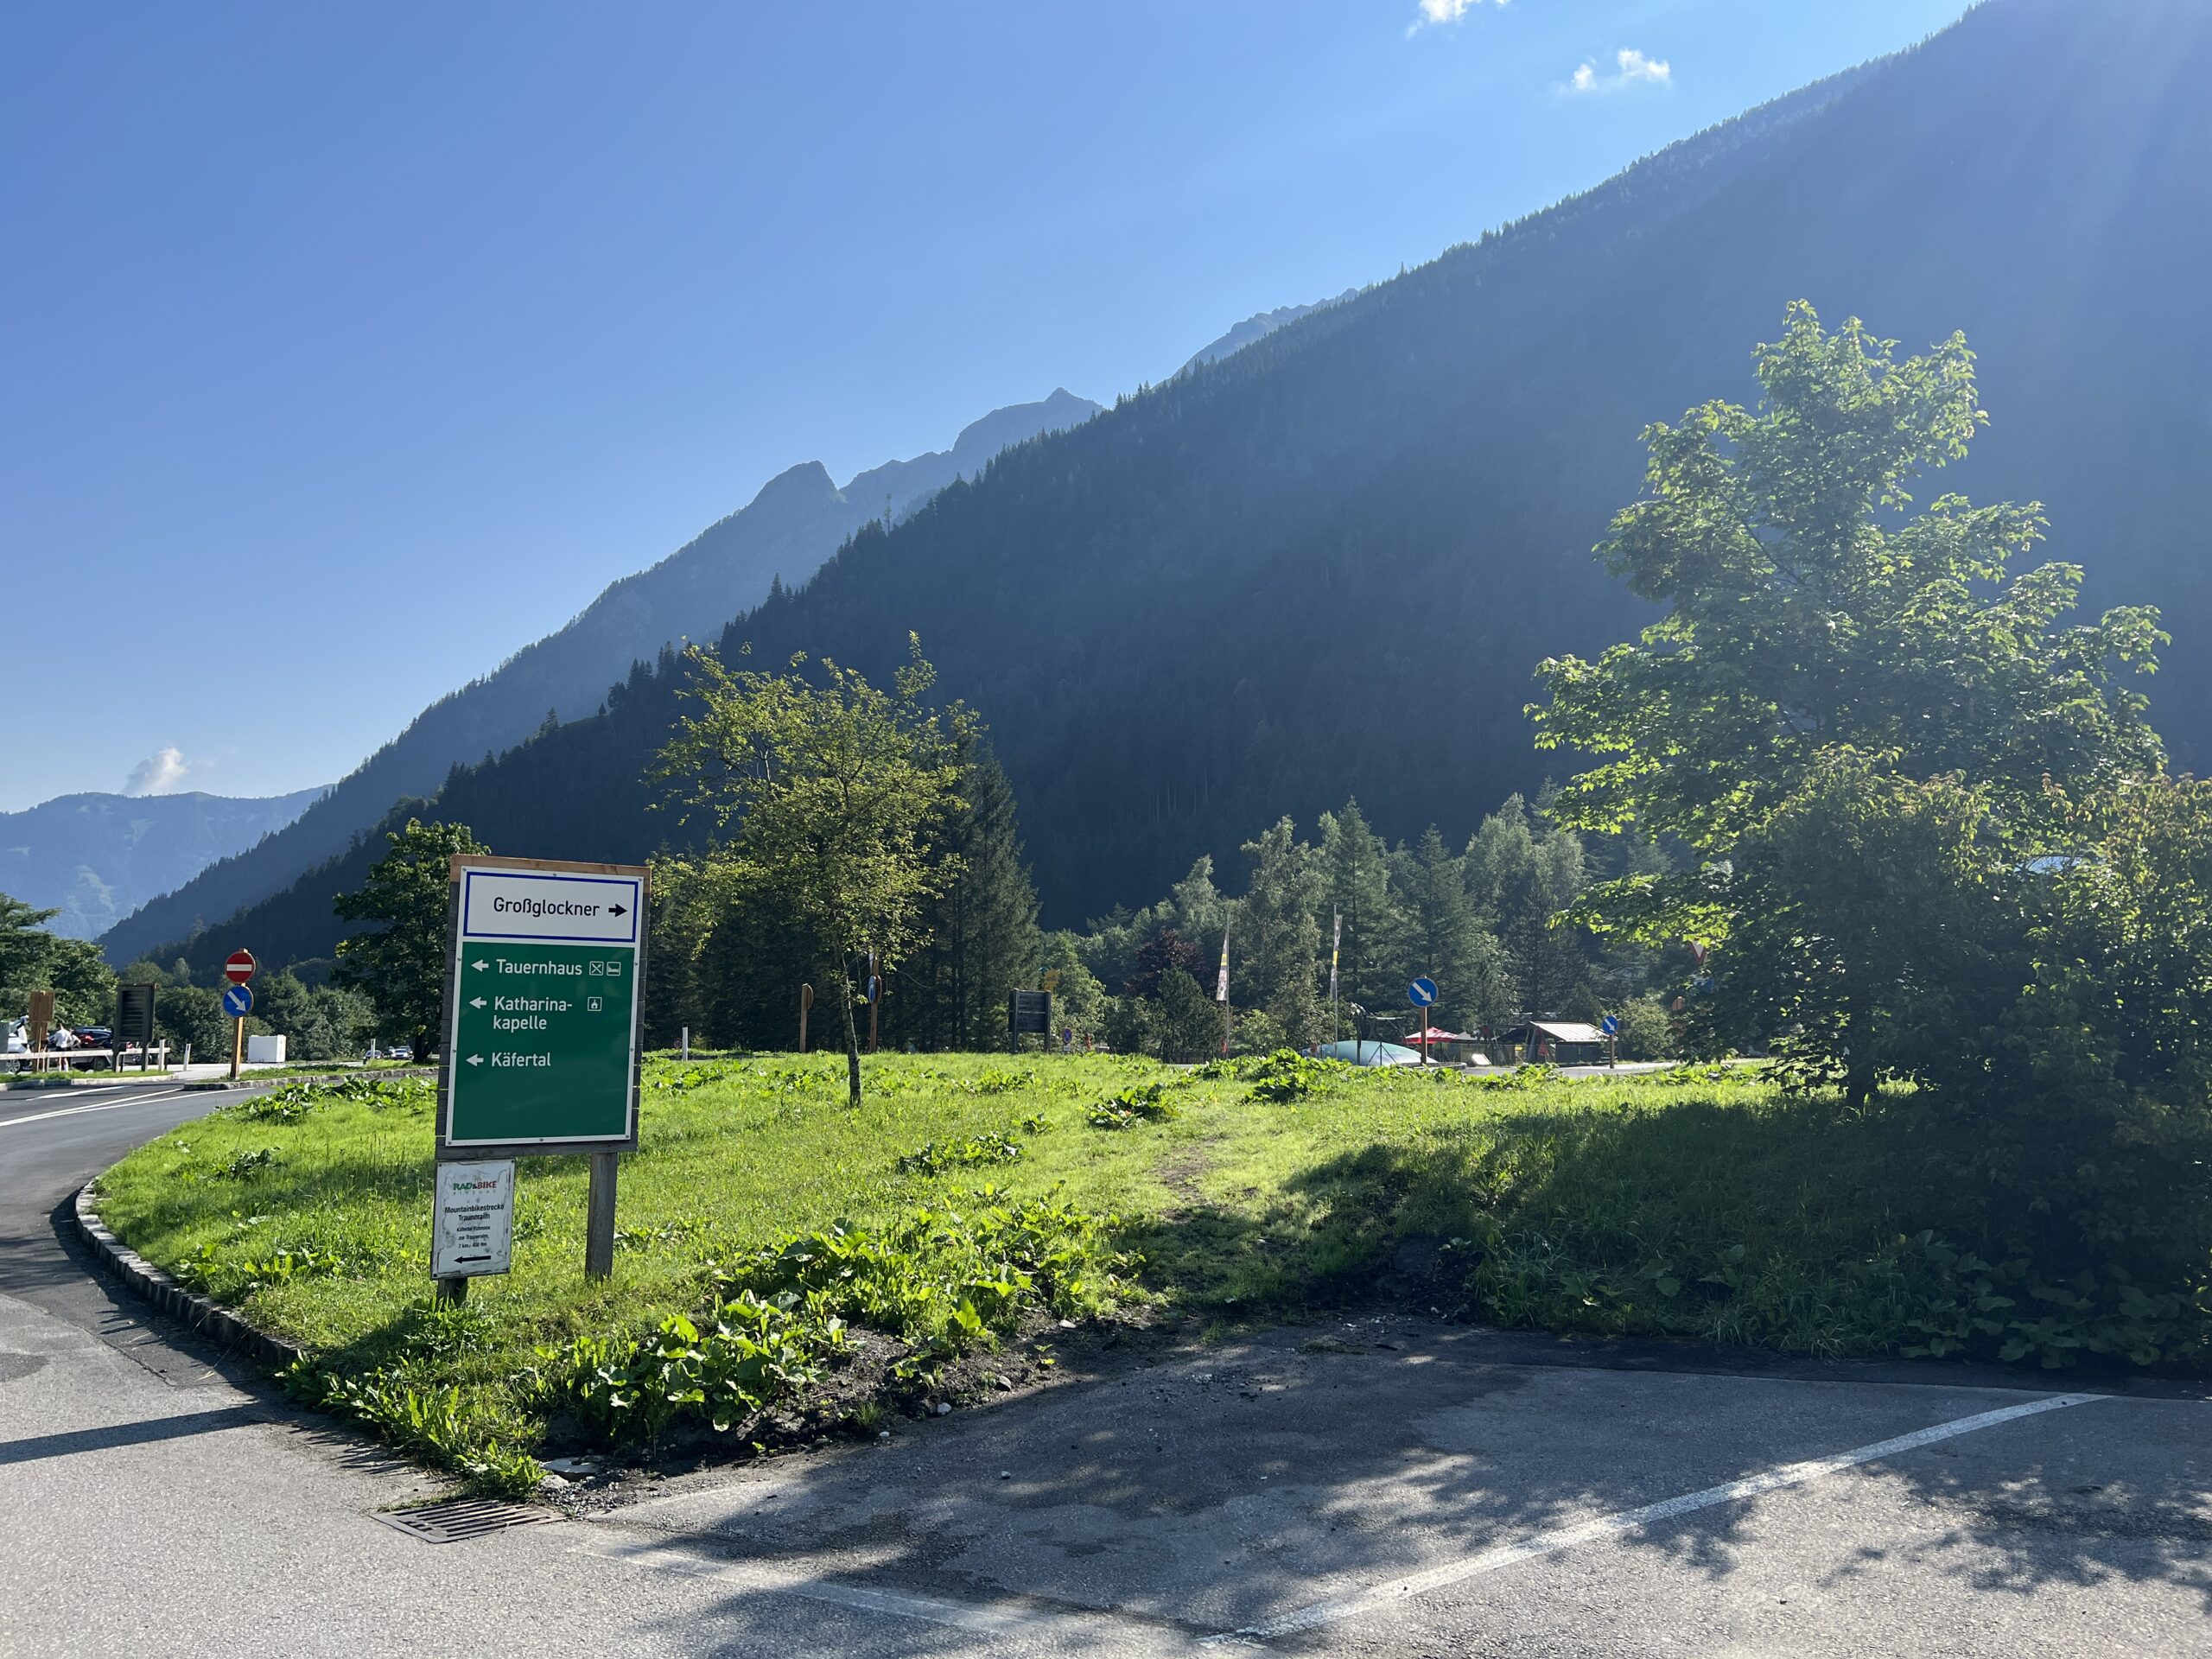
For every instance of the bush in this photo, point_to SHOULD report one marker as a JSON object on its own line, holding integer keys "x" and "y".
{"x": 1647, "y": 1033}
{"x": 1259, "y": 1032}
{"x": 2088, "y": 1095}
{"x": 1286, "y": 1075}
{"x": 1182, "y": 1023}
{"x": 752, "y": 1357}
{"x": 938, "y": 1280}
{"x": 935, "y": 1157}
{"x": 1147, "y": 1104}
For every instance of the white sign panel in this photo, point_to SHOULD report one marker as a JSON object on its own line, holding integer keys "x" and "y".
{"x": 473, "y": 1230}
{"x": 541, "y": 906}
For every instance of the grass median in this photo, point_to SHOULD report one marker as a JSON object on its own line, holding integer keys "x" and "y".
{"x": 787, "y": 1266}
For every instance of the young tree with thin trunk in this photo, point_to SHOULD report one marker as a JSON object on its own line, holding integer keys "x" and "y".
{"x": 838, "y": 792}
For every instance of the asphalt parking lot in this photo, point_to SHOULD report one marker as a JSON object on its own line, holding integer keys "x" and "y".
{"x": 1403, "y": 1486}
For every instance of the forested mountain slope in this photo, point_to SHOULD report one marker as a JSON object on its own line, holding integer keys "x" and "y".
{"x": 95, "y": 857}
{"x": 1327, "y": 565}
{"x": 799, "y": 520}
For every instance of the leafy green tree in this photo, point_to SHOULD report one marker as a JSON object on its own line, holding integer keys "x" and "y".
{"x": 400, "y": 965}
{"x": 1646, "y": 1031}
{"x": 1448, "y": 941}
{"x": 837, "y": 792}
{"x": 1357, "y": 885}
{"x": 1280, "y": 935}
{"x": 32, "y": 959}
{"x": 1183, "y": 1022}
{"x": 1194, "y": 910}
{"x": 1523, "y": 874}
{"x": 1166, "y": 953}
{"x": 1197, "y": 909}
{"x": 680, "y": 922}
{"x": 981, "y": 941}
{"x": 1079, "y": 1000}
{"x": 1875, "y": 920}
{"x": 24, "y": 943}
{"x": 1812, "y": 609}
{"x": 317, "y": 1022}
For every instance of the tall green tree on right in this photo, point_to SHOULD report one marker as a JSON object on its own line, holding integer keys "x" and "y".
{"x": 1825, "y": 632}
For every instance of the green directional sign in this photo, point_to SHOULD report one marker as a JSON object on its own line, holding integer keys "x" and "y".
{"x": 544, "y": 1006}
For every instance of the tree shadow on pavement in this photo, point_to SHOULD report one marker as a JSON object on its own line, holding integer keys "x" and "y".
{"x": 1233, "y": 1480}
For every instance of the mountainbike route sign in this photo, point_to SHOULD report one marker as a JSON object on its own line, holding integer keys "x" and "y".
{"x": 545, "y": 1003}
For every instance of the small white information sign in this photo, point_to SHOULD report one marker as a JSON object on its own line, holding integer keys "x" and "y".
{"x": 473, "y": 1229}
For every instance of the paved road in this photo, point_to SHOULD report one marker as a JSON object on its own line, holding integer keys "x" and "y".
{"x": 1386, "y": 1487}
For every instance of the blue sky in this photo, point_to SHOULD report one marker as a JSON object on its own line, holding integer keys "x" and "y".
{"x": 344, "y": 351}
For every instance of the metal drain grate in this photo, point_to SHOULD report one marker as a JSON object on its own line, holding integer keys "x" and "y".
{"x": 463, "y": 1517}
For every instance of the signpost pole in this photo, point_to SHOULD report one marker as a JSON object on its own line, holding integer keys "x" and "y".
{"x": 1422, "y": 994}
{"x": 238, "y": 1001}
{"x": 805, "y": 1002}
{"x": 599, "y": 1223}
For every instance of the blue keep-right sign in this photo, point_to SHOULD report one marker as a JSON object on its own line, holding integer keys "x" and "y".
{"x": 1610, "y": 1025}
{"x": 1422, "y": 993}
{"x": 238, "y": 1000}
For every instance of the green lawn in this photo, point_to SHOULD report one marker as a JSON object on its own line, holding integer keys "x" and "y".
{"x": 1695, "y": 1205}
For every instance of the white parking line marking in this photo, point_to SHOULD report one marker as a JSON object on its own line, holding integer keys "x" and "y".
{"x": 103, "y": 1106}
{"x": 1547, "y": 1544}
{"x": 977, "y": 1620}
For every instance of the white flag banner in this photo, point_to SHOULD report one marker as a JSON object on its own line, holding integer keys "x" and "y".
{"x": 1221, "y": 984}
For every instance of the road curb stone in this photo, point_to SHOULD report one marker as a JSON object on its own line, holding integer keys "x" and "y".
{"x": 152, "y": 1285}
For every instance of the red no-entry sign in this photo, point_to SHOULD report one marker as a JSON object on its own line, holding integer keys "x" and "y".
{"x": 240, "y": 967}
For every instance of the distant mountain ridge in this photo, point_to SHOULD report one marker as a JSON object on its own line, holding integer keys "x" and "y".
{"x": 798, "y": 518}
{"x": 1258, "y": 327}
{"x": 95, "y": 858}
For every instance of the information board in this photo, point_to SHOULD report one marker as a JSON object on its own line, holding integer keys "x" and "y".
{"x": 473, "y": 1232}
{"x": 134, "y": 1015}
{"x": 543, "y": 1007}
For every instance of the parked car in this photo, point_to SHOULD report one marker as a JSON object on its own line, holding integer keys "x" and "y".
{"x": 1367, "y": 1051}
{"x": 15, "y": 1041}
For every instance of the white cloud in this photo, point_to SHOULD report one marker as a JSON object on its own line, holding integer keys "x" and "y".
{"x": 1444, "y": 11}
{"x": 1633, "y": 70}
{"x": 159, "y": 773}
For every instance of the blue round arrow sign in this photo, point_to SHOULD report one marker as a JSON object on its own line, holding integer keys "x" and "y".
{"x": 238, "y": 1000}
{"x": 1422, "y": 993}
{"x": 1610, "y": 1025}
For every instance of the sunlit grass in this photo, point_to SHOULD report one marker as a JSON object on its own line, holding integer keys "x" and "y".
{"x": 1700, "y": 1203}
